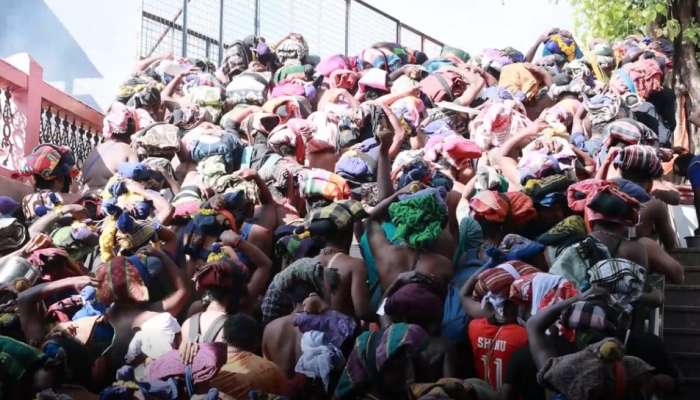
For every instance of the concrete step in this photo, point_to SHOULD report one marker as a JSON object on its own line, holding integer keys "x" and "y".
{"x": 686, "y": 256}
{"x": 692, "y": 275}
{"x": 681, "y": 339}
{"x": 679, "y": 316}
{"x": 682, "y": 295}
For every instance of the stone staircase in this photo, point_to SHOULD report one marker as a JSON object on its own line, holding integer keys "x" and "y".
{"x": 681, "y": 323}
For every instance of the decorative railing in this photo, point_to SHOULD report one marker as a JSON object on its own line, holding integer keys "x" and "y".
{"x": 33, "y": 112}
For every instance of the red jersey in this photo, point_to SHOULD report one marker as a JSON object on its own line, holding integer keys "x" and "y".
{"x": 493, "y": 346}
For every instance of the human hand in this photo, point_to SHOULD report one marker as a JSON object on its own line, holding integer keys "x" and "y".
{"x": 188, "y": 351}
{"x": 40, "y": 241}
{"x": 383, "y": 129}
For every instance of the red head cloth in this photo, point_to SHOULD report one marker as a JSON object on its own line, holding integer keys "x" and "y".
{"x": 222, "y": 274}
{"x": 497, "y": 280}
{"x": 120, "y": 281}
{"x": 48, "y": 161}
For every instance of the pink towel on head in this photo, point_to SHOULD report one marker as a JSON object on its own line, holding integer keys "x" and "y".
{"x": 209, "y": 359}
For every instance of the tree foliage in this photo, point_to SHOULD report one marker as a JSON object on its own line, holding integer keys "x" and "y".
{"x": 619, "y": 18}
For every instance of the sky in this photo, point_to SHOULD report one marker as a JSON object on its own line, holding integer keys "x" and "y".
{"x": 473, "y": 25}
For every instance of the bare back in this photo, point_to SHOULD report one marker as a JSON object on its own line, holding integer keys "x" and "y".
{"x": 103, "y": 161}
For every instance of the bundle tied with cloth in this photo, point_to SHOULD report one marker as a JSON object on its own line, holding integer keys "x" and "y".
{"x": 419, "y": 217}
{"x": 600, "y": 200}
{"x": 493, "y": 285}
{"x": 490, "y": 206}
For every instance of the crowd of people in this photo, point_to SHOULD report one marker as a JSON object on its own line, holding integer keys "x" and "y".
{"x": 379, "y": 226}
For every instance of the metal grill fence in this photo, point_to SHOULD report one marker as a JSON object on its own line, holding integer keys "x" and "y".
{"x": 205, "y": 28}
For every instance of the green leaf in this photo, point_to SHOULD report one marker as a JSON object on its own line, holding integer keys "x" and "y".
{"x": 661, "y": 9}
{"x": 673, "y": 28}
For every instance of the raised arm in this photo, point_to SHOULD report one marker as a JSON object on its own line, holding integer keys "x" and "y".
{"x": 472, "y": 307}
{"x": 263, "y": 264}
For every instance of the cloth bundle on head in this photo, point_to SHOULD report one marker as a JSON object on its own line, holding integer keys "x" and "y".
{"x": 258, "y": 125}
{"x": 442, "y": 85}
{"x": 121, "y": 232}
{"x": 545, "y": 156}
{"x": 458, "y": 55}
{"x": 578, "y": 193}
{"x": 453, "y": 148}
{"x": 602, "y": 108}
{"x": 371, "y": 352}
{"x": 120, "y": 281}
{"x": 628, "y": 131}
{"x": 292, "y": 49}
{"x": 337, "y": 216}
{"x": 623, "y": 278}
{"x": 541, "y": 290}
{"x": 319, "y": 357}
{"x": 416, "y": 303}
{"x": 209, "y": 359}
{"x": 642, "y": 77}
{"x": 295, "y": 246}
{"x": 548, "y": 191}
{"x": 496, "y": 122}
{"x": 562, "y": 43}
{"x": 75, "y": 239}
{"x": 343, "y": 79}
{"x": 513, "y": 247}
{"x": 598, "y": 370}
{"x": 585, "y": 315}
{"x": 332, "y": 63}
{"x": 144, "y": 92}
{"x": 378, "y": 58}
{"x": 49, "y": 162}
{"x": 55, "y": 264}
{"x": 493, "y": 285}
{"x": 498, "y": 280}
{"x": 158, "y": 140}
{"x": 492, "y": 206}
{"x": 8, "y": 206}
{"x": 303, "y": 274}
{"x": 409, "y": 110}
{"x": 124, "y": 120}
{"x": 640, "y": 160}
{"x": 247, "y": 88}
{"x": 566, "y": 232}
{"x": 612, "y": 205}
{"x": 358, "y": 167}
{"x": 337, "y": 327}
{"x": 521, "y": 79}
{"x": 317, "y": 182}
{"x": 495, "y": 59}
{"x": 419, "y": 219}
{"x": 285, "y": 136}
{"x": 224, "y": 274}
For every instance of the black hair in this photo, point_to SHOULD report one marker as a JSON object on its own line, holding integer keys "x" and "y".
{"x": 42, "y": 183}
{"x": 243, "y": 332}
{"x": 230, "y": 298}
{"x": 681, "y": 164}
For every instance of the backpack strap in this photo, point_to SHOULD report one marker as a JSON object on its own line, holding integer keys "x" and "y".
{"x": 214, "y": 329}
{"x": 445, "y": 85}
{"x": 194, "y": 328}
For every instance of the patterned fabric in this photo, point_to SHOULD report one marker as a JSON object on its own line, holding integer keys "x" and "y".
{"x": 12, "y": 234}
{"x": 589, "y": 372}
{"x": 341, "y": 214}
{"x": 277, "y": 301}
{"x": 623, "y": 278}
{"x": 399, "y": 336}
{"x": 18, "y": 358}
{"x": 221, "y": 274}
{"x": 319, "y": 182}
{"x": 628, "y": 131}
{"x": 120, "y": 281}
{"x": 496, "y": 122}
{"x": 247, "y": 88}
{"x": 602, "y": 108}
{"x": 519, "y": 79}
{"x": 490, "y": 206}
{"x": 579, "y": 193}
{"x": 455, "y": 149}
{"x": 499, "y": 279}
{"x": 420, "y": 219}
{"x": 159, "y": 140}
{"x": 361, "y": 368}
{"x": 540, "y": 290}
{"x": 641, "y": 160}
{"x": 50, "y": 162}
{"x": 337, "y": 327}
{"x": 611, "y": 204}
{"x": 538, "y": 189}
{"x": 568, "y": 231}
{"x": 574, "y": 262}
{"x": 643, "y": 77}
{"x": 564, "y": 44}
{"x": 584, "y": 315}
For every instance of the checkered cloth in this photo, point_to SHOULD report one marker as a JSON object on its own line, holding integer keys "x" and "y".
{"x": 623, "y": 278}
{"x": 340, "y": 213}
{"x": 628, "y": 131}
{"x": 317, "y": 182}
{"x": 641, "y": 160}
{"x": 586, "y": 315}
